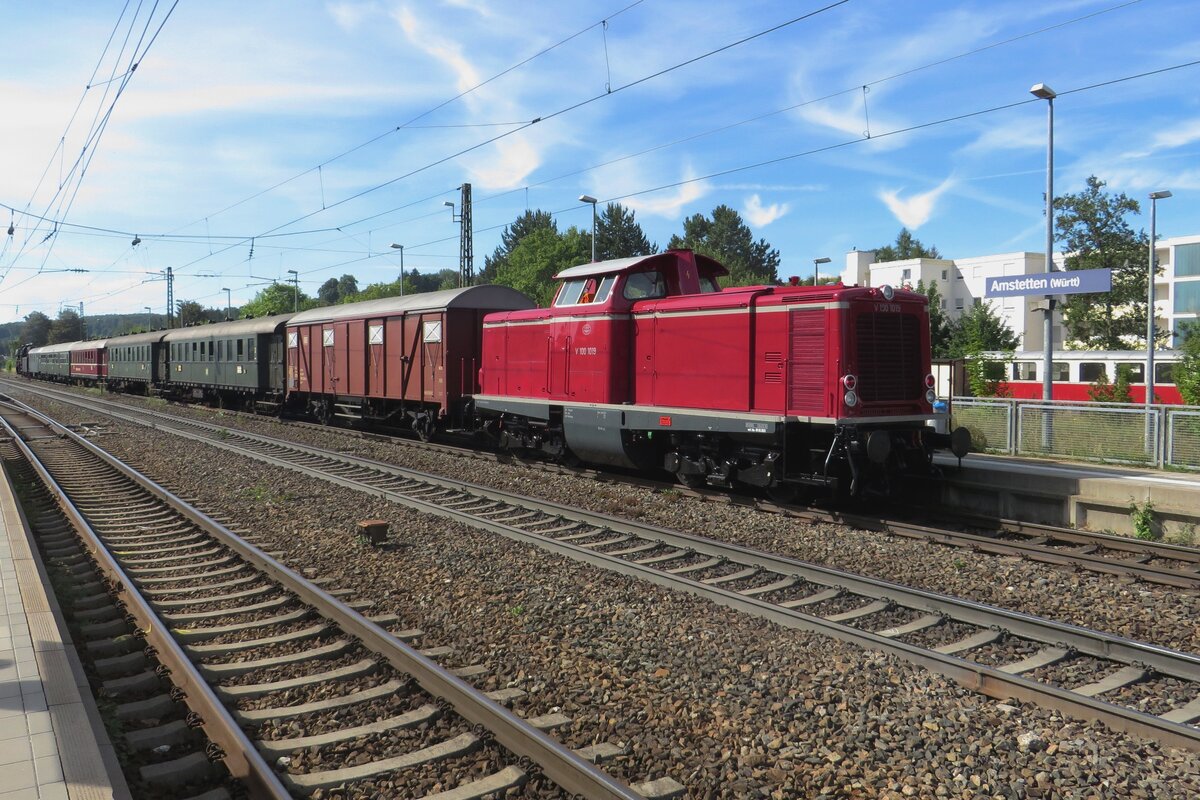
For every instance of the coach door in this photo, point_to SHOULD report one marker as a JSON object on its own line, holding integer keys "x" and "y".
{"x": 375, "y": 368}
{"x": 433, "y": 370}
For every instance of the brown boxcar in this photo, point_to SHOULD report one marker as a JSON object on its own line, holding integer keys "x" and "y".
{"x": 407, "y": 360}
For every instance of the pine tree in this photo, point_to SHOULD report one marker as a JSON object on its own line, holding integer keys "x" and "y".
{"x": 726, "y": 238}
{"x": 906, "y": 246}
{"x": 618, "y": 235}
{"x": 521, "y": 227}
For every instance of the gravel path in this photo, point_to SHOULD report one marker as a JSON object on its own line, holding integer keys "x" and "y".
{"x": 729, "y": 705}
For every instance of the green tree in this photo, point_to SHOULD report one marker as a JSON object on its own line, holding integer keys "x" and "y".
{"x": 939, "y": 326}
{"x": 1187, "y": 371}
{"x": 726, "y": 238}
{"x": 980, "y": 330}
{"x": 1101, "y": 391}
{"x": 191, "y": 313}
{"x": 618, "y": 235}
{"x": 1095, "y": 235}
{"x": 67, "y": 328}
{"x": 906, "y": 246}
{"x": 347, "y": 285}
{"x": 532, "y": 265}
{"x": 521, "y": 227}
{"x": 277, "y": 298}
{"x": 329, "y": 293}
{"x": 36, "y": 329}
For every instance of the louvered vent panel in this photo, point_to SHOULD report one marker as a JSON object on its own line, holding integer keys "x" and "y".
{"x": 889, "y": 357}
{"x": 807, "y": 392}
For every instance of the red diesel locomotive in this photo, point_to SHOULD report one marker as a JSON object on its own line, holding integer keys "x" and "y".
{"x": 646, "y": 363}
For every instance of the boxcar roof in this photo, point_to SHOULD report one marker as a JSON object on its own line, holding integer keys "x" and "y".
{"x": 238, "y": 327}
{"x": 488, "y": 297}
{"x": 627, "y": 264}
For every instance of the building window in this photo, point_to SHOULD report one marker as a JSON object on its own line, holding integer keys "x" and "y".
{"x": 943, "y": 304}
{"x": 905, "y": 275}
{"x": 958, "y": 304}
{"x": 945, "y": 274}
{"x": 1187, "y": 295}
{"x": 1187, "y": 260}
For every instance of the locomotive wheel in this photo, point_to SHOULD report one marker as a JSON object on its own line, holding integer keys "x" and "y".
{"x": 691, "y": 480}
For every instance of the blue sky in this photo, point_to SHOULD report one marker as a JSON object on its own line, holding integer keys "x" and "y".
{"x": 216, "y": 137}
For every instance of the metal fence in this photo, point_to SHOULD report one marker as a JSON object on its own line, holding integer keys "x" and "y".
{"x": 1113, "y": 432}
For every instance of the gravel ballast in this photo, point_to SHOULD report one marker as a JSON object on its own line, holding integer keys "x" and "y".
{"x": 727, "y": 704}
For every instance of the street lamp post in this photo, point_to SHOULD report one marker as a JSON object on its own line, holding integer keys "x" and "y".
{"x": 817, "y": 262}
{"x": 149, "y": 318}
{"x": 587, "y": 198}
{"x": 228, "y": 304}
{"x": 1154, "y": 198}
{"x": 400, "y": 247}
{"x": 1044, "y": 92}
{"x": 295, "y": 290}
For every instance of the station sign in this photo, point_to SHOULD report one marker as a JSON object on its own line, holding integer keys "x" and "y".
{"x": 1076, "y": 281}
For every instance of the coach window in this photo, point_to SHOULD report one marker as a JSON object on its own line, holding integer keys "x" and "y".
{"x": 1024, "y": 370}
{"x": 250, "y": 348}
{"x": 1090, "y": 371}
{"x": 229, "y": 349}
{"x": 375, "y": 334}
{"x": 202, "y": 351}
{"x": 240, "y": 351}
{"x": 327, "y": 338}
{"x": 645, "y": 286}
{"x": 1135, "y": 372}
{"x": 1060, "y": 371}
{"x": 212, "y": 350}
{"x": 1164, "y": 373}
{"x": 221, "y": 350}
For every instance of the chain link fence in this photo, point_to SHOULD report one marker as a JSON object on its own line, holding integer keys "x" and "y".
{"x": 1183, "y": 438}
{"x": 1113, "y": 432}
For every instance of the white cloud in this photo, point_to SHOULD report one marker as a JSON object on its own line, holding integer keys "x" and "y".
{"x": 349, "y": 15}
{"x": 444, "y": 50}
{"x": 761, "y": 216}
{"x": 505, "y": 165}
{"x": 918, "y": 208}
{"x": 667, "y": 203}
{"x": 1182, "y": 134}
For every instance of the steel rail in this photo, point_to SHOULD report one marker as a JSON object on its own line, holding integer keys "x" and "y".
{"x": 240, "y": 756}
{"x": 993, "y": 544}
{"x": 991, "y": 681}
{"x": 558, "y": 762}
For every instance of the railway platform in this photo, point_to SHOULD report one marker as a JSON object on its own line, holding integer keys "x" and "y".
{"x": 1092, "y": 496}
{"x": 52, "y": 739}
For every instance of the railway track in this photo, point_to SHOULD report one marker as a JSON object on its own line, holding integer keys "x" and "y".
{"x": 299, "y": 691}
{"x": 1128, "y": 685}
{"x": 1153, "y": 562}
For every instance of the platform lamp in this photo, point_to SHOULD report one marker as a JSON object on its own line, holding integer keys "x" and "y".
{"x": 295, "y": 290}
{"x": 149, "y": 318}
{"x": 228, "y": 303}
{"x": 1044, "y": 92}
{"x": 1154, "y": 198}
{"x": 817, "y": 262}
{"x": 400, "y": 247}
{"x": 587, "y": 198}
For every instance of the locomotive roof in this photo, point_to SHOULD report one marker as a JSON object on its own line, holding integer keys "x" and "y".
{"x": 627, "y": 264}
{"x": 237, "y": 327}
{"x": 488, "y": 297}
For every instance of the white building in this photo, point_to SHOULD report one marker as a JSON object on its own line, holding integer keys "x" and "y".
{"x": 961, "y": 283}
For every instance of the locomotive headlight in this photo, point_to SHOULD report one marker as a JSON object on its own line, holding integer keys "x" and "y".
{"x": 850, "y": 381}
{"x": 930, "y": 381}
{"x": 888, "y": 292}
{"x": 930, "y": 396}
{"x": 850, "y": 399}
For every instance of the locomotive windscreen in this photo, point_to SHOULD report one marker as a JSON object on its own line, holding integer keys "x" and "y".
{"x": 888, "y": 357}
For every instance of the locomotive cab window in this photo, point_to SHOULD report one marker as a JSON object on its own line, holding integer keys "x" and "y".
{"x": 708, "y": 284}
{"x": 569, "y": 292}
{"x": 644, "y": 286}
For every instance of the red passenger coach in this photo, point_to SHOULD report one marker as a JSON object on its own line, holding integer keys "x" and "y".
{"x": 89, "y": 361}
{"x": 645, "y": 362}
{"x": 401, "y": 359}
